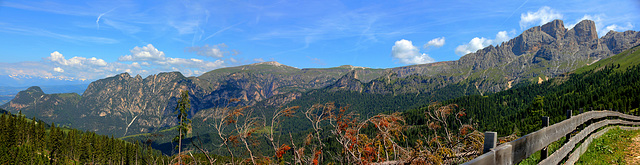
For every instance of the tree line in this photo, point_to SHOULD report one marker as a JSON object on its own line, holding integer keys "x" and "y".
{"x": 30, "y": 141}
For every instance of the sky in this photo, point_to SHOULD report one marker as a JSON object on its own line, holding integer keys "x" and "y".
{"x": 89, "y": 40}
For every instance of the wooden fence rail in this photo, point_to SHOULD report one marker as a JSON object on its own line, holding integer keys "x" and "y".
{"x": 515, "y": 151}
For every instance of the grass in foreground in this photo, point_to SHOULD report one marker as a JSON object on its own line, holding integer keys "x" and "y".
{"x": 610, "y": 148}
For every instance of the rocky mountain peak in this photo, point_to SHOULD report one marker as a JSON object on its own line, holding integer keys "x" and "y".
{"x": 274, "y": 63}
{"x": 124, "y": 75}
{"x": 584, "y": 31}
{"x": 28, "y": 96}
{"x": 532, "y": 39}
{"x": 554, "y": 28}
{"x": 34, "y": 89}
{"x": 348, "y": 82}
{"x": 352, "y": 67}
{"x": 175, "y": 74}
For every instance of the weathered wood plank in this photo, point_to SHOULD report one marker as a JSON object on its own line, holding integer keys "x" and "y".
{"x": 561, "y": 153}
{"x": 487, "y": 158}
{"x": 523, "y": 147}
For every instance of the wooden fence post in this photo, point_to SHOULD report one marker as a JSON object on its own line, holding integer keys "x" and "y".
{"x": 581, "y": 125}
{"x": 610, "y": 117}
{"x": 544, "y": 153}
{"x": 490, "y": 141}
{"x": 568, "y": 136}
{"x": 590, "y": 121}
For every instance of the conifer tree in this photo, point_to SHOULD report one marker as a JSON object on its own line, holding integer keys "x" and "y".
{"x": 183, "y": 107}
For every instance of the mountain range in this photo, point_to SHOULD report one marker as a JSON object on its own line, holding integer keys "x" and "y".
{"x": 123, "y": 104}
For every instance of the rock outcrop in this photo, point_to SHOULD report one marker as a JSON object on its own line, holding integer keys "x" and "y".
{"x": 122, "y": 104}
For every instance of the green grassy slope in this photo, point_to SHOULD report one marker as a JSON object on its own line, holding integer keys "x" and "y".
{"x": 623, "y": 60}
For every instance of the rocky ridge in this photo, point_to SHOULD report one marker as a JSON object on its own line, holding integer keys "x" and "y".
{"x": 539, "y": 52}
{"x": 123, "y": 105}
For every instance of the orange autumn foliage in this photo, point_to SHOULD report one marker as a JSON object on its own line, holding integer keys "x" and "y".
{"x": 282, "y": 150}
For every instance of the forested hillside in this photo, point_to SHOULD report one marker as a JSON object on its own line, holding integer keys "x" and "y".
{"x": 328, "y": 122}
{"x": 609, "y": 84}
{"x": 27, "y": 141}
{"x": 127, "y": 105}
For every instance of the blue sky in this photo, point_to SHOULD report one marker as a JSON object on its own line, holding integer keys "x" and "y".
{"x": 96, "y": 39}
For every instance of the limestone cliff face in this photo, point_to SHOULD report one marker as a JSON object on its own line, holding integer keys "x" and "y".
{"x": 123, "y": 105}
{"x": 128, "y": 104}
{"x": 539, "y": 52}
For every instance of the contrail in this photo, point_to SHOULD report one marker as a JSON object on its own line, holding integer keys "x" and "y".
{"x": 514, "y": 11}
{"x": 100, "y": 16}
{"x": 221, "y": 30}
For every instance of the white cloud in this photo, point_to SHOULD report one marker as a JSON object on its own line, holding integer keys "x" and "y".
{"x": 136, "y": 65}
{"x": 436, "y": 42}
{"x": 615, "y": 27}
{"x": 58, "y": 69}
{"x": 473, "y": 45}
{"x": 595, "y": 18}
{"x": 258, "y": 60}
{"x": 543, "y": 15}
{"x": 479, "y": 43}
{"x": 146, "y": 53}
{"x": 407, "y": 53}
{"x": 58, "y": 58}
{"x": 143, "y": 60}
{"x": 600, "y": 20}
{"x": 502, "y": 36}
{"x": 150, "y": 58}
{"x": 216, "y": 51}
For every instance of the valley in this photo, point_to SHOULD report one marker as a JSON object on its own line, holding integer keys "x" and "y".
{"x": 498, "y": 88}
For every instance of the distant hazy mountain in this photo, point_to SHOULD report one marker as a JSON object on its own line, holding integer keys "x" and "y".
{"x": 8, "y": 92}
{"x": 123, "y": 104}
{"x": 27, "y": 81}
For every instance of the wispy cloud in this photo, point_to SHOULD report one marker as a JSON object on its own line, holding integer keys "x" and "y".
{"x": 50, "y": 7}
{"x": 317, "y": 61}
{"x": 220, "y": 31}
{"x": 45, "y": 33}
{"x": 258, "y": 60}
{"x": 100, "y": 16}
{"x": 216, "y": 51}
{"x": 363, "y": 25}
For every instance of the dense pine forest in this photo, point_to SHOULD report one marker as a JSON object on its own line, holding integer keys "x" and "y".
{"x": 609, "y": 88}
{"x": 30, "y": 141}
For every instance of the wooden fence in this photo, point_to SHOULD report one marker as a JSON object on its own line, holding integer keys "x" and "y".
{"x": 515, "y": 151}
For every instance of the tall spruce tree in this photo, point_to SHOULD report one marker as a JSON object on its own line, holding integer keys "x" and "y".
{"x": 183, "y": 107}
